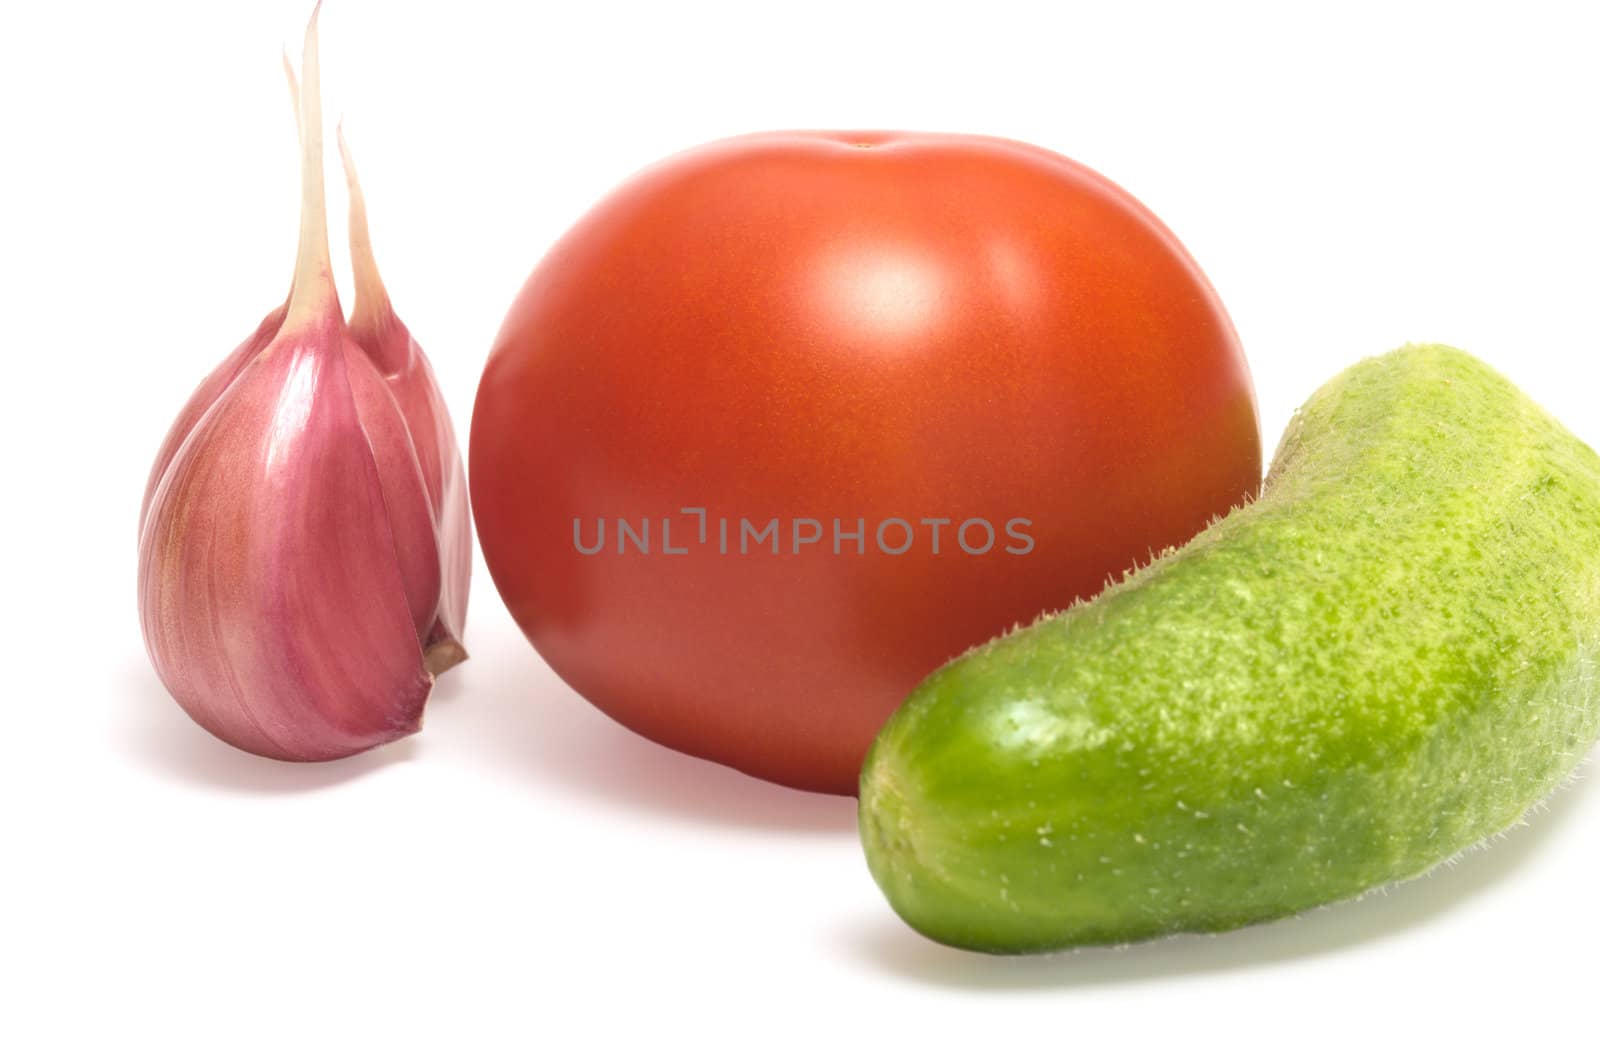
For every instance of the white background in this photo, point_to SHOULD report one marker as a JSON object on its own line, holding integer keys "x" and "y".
{"x": 525, "y": 879}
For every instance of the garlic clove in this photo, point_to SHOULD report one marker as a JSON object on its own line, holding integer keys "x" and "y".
{"x": 289, "y": 566}
{"x": 405, "y": 495}
{"x": 408, "y": 464}
{"x": 396, "y": 354}
{"x": 271, "y": 595}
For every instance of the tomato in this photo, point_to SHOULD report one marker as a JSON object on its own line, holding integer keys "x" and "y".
{"x": 911, "y": 337}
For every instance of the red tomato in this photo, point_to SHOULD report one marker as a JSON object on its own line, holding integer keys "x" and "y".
{"x": 851, "y": 327}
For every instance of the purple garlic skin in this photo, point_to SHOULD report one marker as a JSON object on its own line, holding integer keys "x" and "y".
{"x": 271, "y": 586}
{"x": 391, "y": 347}
{"x": 304, "y": 545}
{"x": 205, "y": 396}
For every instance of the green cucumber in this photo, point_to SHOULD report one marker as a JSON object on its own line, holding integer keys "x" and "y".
{"x": 1388, "y": 657}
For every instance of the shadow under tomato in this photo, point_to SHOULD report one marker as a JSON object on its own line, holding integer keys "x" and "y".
{"x": 890, "y": 945}
{"x": 158, "y": 733}
{"x": 520, "y": 714}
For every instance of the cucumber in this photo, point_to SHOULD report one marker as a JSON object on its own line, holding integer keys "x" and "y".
{"x": 1385, "y": 659}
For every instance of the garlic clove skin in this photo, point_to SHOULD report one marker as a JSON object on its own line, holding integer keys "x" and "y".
{"x": 404, "y": 493}
{"x": 397, "y": 356}
{"x": 205, "y": 396}
{"x": 289, "y": 562}
{"x": 270, "y": 589}
{"x": 414, "y": 391}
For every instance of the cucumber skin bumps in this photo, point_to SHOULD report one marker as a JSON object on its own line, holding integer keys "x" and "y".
{"x": 1387, "y": 658}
